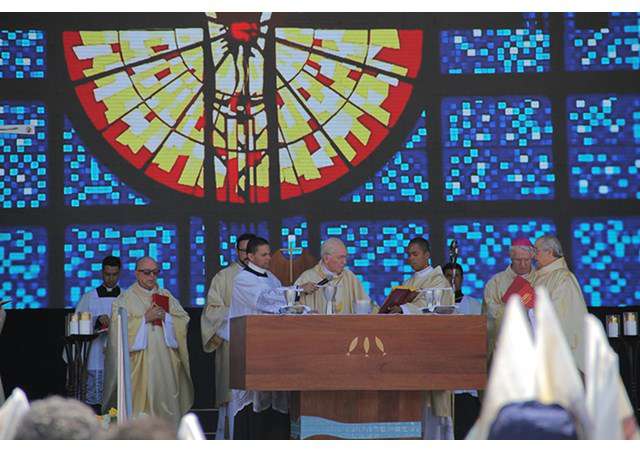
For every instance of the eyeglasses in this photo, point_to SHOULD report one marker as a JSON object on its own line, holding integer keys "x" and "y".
{"x": 148, "y": 272}
{"x": 242, "y": 250}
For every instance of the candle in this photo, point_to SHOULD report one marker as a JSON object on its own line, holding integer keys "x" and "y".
{"x": 74, "y": 325}
{"x": 291, "y": 241}
{"x": 85, "y": 323}
{"x": 630, "y": 323}
{"x": 613, "y": 326}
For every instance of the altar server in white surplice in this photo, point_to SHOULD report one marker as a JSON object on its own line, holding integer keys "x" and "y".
{"x": 256, "y": 414}
{"x": 99, "y": 302}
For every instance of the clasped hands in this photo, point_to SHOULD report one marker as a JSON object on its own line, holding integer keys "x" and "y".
{"x": 154, "y": 313}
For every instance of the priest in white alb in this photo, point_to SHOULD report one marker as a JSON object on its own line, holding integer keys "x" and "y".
{"x": 160, "y": 375}
{"x": 564, "y": 291}
{"x": 213, "y": 325}
{"x": 332, "y": 270}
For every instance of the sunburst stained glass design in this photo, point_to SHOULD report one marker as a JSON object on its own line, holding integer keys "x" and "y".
{"x": 339, "y": 92}
{"x": 143, "y": 91}
{"x": 334, "y": 97}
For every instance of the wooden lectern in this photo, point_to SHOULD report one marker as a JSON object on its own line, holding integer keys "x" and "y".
{"x": 356, "y": 376}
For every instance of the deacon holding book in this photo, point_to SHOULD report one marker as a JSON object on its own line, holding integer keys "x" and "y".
{"x": 424, "y": 277}
{"x": 256, "y": 414}
{"x": 564, "y": 292}
{"x": 213, "y": 325}
{"x": 160, "y": 375}
{"x": 332, "y": 270}
{"x": 99, "y": 303}
{"x": 521, "y": 254}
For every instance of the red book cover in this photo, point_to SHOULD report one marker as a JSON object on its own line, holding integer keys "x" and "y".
{"x": 523, "y": 288}
{"x": 398, "y": 296}
{"x": 162, "y": 302}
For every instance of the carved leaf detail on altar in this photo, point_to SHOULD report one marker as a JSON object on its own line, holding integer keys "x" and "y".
{"x": 353, "y": 345}
{"x": 380, "y": 345}
{"x": 366, "y": 345}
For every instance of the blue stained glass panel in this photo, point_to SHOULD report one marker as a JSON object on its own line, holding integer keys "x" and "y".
{"x": 604, "y": 146}
{"x": 89, "y": 183}
{"x": 616, "y": 46}
{"x": 229, "y": 232}
{"x": 497, "y": 148}
{"x": 86, "y": 245}
{"x": 498, "y": 50}
{"x": 606, "y": 259}
{"x": 484, "y": 246}
{"x": 404, "y": 177}
{"x": 23, "y": 157}
{"x": 197, "y": 242}
{"x": 23, "y": 266}
{"x": 23, "y": 54}
{"x": 299, "y": 227}
{"x": 377, "y": 251}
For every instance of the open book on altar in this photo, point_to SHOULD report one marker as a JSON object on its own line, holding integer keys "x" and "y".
{"x": 399, "y": 295}
{"x": 522, "y": 288}
{"x": 162, "y": 302}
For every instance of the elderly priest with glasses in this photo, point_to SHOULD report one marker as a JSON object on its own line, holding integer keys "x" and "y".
{"x": 160, "y": 377}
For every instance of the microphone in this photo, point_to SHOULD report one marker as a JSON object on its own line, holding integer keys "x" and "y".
{"x": 324, "y": 281}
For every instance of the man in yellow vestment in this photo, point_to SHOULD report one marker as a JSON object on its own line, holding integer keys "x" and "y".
{"x": 332, "y": 270}
{"x": 213, "y": 322}
{"x": 521, "y": 254}
{"x": 160, "y": 375}
{"x": 564, "y": 292}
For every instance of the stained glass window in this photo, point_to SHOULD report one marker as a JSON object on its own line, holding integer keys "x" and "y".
{"x": 606, "y": 259}
{"x": 404, "y": 177}
{"x": 23, "y": 160}
{"x": 615, "y": 45}
{"x": 229, "y": 232}
{"x": 338, "y": 94}
{"x": 22, "y": 54}
{"x": 23, "y": 266}
{"x": 299, "y": 227}
{"x": 497, "y": 148}
{"x": 498, "y": 50}
{"x": 87, "y": 181}
{"x": 604, "y": 145}
{"x": 143, "y": 91}
{"x": 197, "y": 241}
{"x": 86, "y": 246}
{"x": 484, "y": 246}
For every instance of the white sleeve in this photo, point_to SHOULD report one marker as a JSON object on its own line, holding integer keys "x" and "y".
{"x": 270, "y": 300}
{"x": 169, "y": 332}
{"x": 223, "y": 330}
{"x": 140, "y": 343}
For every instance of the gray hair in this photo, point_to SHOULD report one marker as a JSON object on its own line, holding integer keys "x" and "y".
{"x": 57, "y": 418}
{"x": 551, "y": 243}
{"x": 143, "y": 259}
{"x": 331, "y": 246}
{"x": 525, "y": 248}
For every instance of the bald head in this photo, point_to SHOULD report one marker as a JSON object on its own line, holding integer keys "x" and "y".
{"x": 147, "y": 271}
{"x": 334, "y": 255}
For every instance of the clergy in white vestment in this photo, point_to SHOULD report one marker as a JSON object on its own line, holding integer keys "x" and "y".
{"x": 213, "y": 325}
{"x": 564, "y": 291}
{"x": 439, "y": 404}
{"x": 99, "y": 302}
{"x": 257, "y": 414}
{"x": 332, "y": 270}
{"x": 521, "y": 254}
{"x": 160, "y": 374}
{"x": 466, "y": 403}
